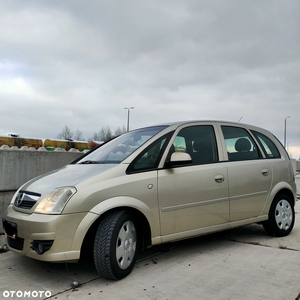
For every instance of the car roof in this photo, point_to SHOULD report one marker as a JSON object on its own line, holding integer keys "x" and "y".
{"x": 178, "y": 123}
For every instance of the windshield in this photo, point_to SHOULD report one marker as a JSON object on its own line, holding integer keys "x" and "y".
{"x": 116, "y": 150}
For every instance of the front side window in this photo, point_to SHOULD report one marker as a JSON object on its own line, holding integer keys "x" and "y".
{"x": 199, "y": 142}
{"x": 267, "y": 145}
{"x": 150, "y": 157}
{"x": 239, "y": 144}
{"x": 179, "y": 144}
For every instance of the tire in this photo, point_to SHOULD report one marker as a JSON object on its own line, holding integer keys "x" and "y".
{"x": 116, "y": 245}
{"x": 281, "y": 216}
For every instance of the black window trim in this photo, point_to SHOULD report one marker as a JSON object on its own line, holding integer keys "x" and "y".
{"x": 216, "y": 144}
{"x": 131, "y": 170}
{"x": 254, "y": 140}
{"x": 255, "y": 133}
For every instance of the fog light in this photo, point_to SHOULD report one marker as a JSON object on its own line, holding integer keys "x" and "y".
{"x": 40, "y": 247}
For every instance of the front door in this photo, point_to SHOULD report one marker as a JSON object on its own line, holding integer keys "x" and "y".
{"x": 194, "y": 196}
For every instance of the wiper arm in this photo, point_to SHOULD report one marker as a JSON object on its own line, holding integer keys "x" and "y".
{"x": 86, "y": 162}
{"x": 89, "y": 162}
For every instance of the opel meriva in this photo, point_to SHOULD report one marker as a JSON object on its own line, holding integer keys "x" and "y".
{"x": 154, "y": 185}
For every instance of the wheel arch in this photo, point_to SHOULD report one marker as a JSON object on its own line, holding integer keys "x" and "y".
{"x": 281, "y": 216}
{"x": 280, "y": 188}
{"x": 143, "y": 226}
{"x": 287, "y": 192}
{"x": 283, "y": 190}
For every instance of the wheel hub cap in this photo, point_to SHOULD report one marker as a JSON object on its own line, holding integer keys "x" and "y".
{"x": 126, "y": 245}
{"x": 284, "y": 215}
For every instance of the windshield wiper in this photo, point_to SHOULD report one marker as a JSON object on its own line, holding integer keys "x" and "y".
{"x": 104, "y": 162}
{"x": 89, "y": 162}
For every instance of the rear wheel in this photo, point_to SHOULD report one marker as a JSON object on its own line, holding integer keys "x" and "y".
{"x": 116, "y": 245}
{"x": 281, "y": 216}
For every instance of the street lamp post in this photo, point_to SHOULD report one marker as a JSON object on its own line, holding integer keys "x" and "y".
{"x": 128, "y": 110}
{"x": 285, "y": 131}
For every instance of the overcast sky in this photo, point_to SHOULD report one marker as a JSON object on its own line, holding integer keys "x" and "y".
{"x": 80, "y": 63}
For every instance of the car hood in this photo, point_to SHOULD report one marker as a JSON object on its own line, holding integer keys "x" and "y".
{"x": 69, "y": 175}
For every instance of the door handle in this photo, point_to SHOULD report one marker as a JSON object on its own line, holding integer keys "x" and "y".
{"x": 265, "y": 172}
{"x": 219, "y": 178}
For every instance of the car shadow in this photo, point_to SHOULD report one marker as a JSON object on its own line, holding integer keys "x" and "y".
{"x": 61, "y": 276}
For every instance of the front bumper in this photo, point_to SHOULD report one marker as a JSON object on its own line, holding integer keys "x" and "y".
{"x": 63, "y": 234}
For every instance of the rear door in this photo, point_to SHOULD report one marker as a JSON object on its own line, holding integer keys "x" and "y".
{"x": 249, "y": 175}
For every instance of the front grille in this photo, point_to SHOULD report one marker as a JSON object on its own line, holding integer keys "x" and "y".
{"x": 26, "y": 204}
{"x": 26, "y": 200}
{"x": 17, "y": 243}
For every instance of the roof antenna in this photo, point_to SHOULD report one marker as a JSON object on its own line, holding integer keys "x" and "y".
{"x": 240, "y": 119}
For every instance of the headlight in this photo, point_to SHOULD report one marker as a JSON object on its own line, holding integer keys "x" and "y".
{"x": 54, "y": 202}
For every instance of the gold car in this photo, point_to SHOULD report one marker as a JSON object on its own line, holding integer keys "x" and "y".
{"x": 154, "y": 185}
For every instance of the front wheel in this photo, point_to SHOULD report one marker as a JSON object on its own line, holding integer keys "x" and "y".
{"x": 281, "y": 216}
{"x": 116, "y": 245}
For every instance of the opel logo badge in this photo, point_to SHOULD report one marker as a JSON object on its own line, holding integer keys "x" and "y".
{"x": 19, "y": 199}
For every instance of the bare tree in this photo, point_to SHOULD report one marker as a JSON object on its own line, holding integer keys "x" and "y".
{"x": 95, "y": 137}
{"x": 78, "y": 135}
{"x": 65, "y": 134}
{"x": 120, "y": 131}
{"x": 104, "y": 134}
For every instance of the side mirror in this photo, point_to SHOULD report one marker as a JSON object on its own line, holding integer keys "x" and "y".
{"x": 179, "y": 159}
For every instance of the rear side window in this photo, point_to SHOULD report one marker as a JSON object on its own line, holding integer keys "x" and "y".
{"x": 267, "y": 145}
{"x": 239, "y": 144}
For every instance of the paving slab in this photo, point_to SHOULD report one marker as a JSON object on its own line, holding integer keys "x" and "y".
{"x": 243, "y": 263}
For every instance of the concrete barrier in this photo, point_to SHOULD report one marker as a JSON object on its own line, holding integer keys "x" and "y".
{"x": 17, "y": 166}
